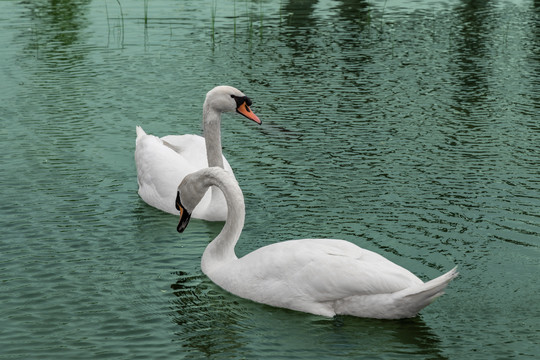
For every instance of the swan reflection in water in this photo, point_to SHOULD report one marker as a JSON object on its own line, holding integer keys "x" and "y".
{"x": 213, "y": 322}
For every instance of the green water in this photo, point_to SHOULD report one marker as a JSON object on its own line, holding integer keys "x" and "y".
{"x": 408, "y": 128}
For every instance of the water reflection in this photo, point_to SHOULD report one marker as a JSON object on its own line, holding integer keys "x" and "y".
{"x": 302, "y": 31}
{"x": 56, "y": 25}
{"x": 473, "y": 67}
{"x": 413, "y": 336}
{"x": 207, "y": 321}
{"x": 57, "y": 42}
{"x": 357, "y": 13}
{"x": 212, "y": 322}
{"x": 416, "y": 332}
{"x": 534, "y": 59}
{"x": 300, "y": 14}
{"x": 300, "y": 35}
{"x": 394, "y": 184}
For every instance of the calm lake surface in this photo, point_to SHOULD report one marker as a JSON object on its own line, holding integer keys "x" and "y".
{"x": 410, "y": 128}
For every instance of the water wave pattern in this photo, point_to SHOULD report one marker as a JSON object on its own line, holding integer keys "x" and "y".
{"x": 410, "y": 129}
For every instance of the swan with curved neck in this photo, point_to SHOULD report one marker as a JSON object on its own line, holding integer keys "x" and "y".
{"x": 320, "y": 276}
{"x": 163, "y": 162}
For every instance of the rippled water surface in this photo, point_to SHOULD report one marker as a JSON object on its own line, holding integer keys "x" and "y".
{"x": 409, "y": 128}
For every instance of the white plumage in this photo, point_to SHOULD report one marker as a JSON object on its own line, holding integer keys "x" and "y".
{"x": 163, "y": 162}
{"x": 320, "y": 276}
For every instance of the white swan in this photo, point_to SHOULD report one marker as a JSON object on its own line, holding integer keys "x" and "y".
{"x": 163, "y": 162}
{"x": 319, "y": 276}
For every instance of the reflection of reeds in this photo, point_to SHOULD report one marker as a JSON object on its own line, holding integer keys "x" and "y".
{"x": 122, "y": 19}
{"x": 108, "y": 23}
{"x": 252, "y": 21}
{"x": 214, "y": 9}
{"x": 280, "y": 12}
{"x": 505, "y": 36}
{"x": 35, "y": 39}
{"x": 261, "y": 22}
{"x": 382, "y": 15}
{"x": 234, "y": 19}
{"x": 145, "y": 12}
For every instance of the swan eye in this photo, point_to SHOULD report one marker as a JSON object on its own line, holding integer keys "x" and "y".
{"x": 241, "y": 99}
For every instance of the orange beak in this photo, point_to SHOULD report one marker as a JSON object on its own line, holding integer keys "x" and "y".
{"x": 244, "y": 109}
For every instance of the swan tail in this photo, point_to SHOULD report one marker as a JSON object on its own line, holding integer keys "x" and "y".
{"x": 419, "y": 297}
{"x": 140, "y": 132}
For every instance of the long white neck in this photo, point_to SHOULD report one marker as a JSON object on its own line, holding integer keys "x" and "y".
{"x": 221, "y": 250}
{"x": 212, "y": 136}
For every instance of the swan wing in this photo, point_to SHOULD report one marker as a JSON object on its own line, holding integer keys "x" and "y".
{"x": 160, "y": 168}
{"x": 162, "y": 163}
{"x": 315, "y": 271}
{"x": 345, "y": 269}
{"x": 192, "y": 147}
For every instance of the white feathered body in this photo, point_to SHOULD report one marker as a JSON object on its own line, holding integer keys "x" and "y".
{"x": 327, "y": 277}
{"x": 320, "y": 276}
{"x": 162, "y": 163}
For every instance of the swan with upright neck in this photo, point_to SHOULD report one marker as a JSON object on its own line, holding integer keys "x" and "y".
{"x": 163, "y": 162}
{"x": 320, "y": 276}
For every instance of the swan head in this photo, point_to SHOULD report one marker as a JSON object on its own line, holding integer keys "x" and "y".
{"x": 194, "y": 186}
{"x": 190, "y": 192}
{"x": 229, "y": 99}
